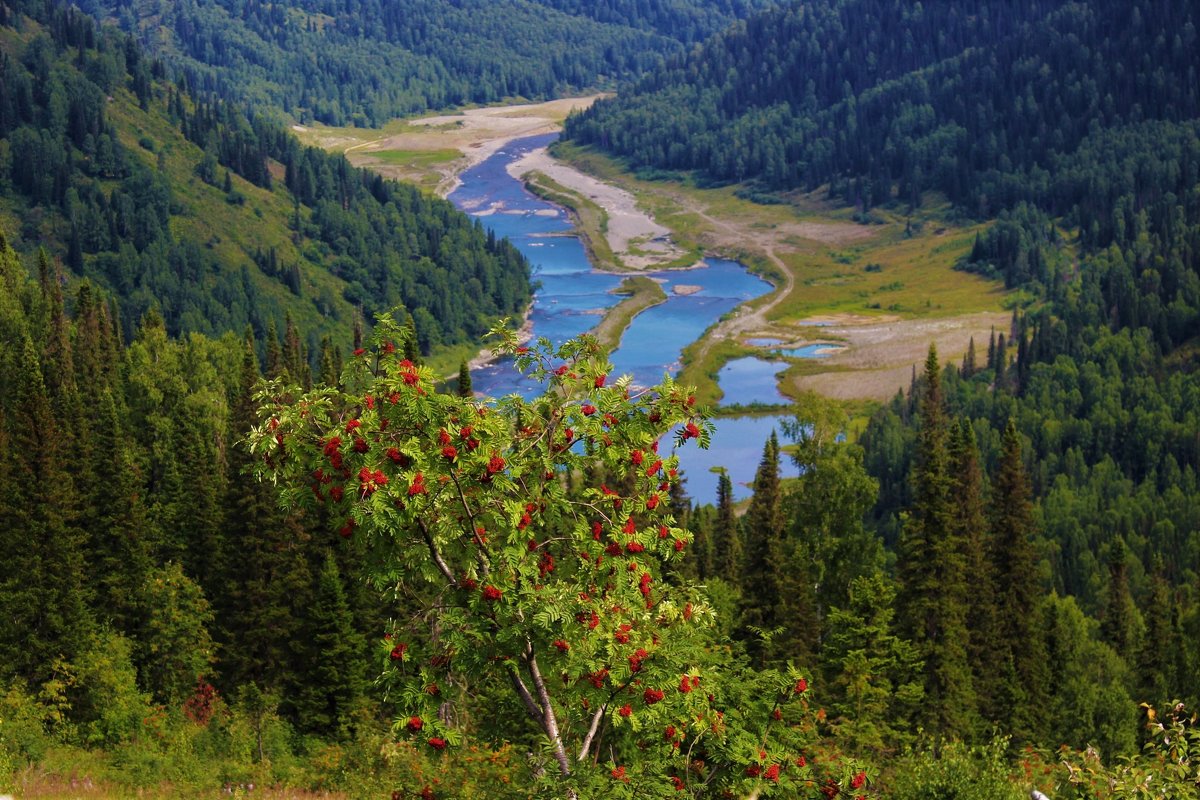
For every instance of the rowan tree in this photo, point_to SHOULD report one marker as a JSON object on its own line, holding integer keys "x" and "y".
{"x": 463, "y": 506}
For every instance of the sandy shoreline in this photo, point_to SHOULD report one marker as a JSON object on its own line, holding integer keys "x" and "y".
{"x": 476, "y": 134}
{"x": 636, "y": 240}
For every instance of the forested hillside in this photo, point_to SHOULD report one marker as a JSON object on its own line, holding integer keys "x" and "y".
{"x": 378, "y": 61}
{"x": 216, "y": 219}
{"x": 878, "y": 98}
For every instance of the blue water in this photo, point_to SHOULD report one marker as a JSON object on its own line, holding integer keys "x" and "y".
{"x": 572, "y": 297}
{"x": 737, "y": 446}
{"x": 811, "y": 351}
{"x": 750, "y": 380}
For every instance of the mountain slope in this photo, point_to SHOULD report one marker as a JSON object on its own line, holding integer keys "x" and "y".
{"x": 365, "y": 62}
{"x": 876, "y": 96}
{"x": 217, "y": 220}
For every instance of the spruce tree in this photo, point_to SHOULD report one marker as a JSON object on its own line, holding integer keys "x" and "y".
{"x": 275, "y": 360}
{"x": 329, "y": 374}
{"x": 1021, "y": 659}
{"x": 259, "y": 610}
{"x": 1158, "y": 656}
{"x": 44, "y": 594}
{"x": 333, "y": 656}
{"x": 969, "y": 367}
{"x": 118, "y": 524}
{"x": 763, "y": 535}
{"x": 872, "y": 675}
{"x": 974, "y": 534}
{"x": 464, "y": 380}
{"x": 1120, "y": 623}
{"x": 1001, "y": 365}
{"x": 933, "y": 597}
{"x": 728, "y": 540}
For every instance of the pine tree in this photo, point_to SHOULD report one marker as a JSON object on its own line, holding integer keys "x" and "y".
{"x": 932, "y": 572}
{"x": 333, "y": 654}
{"x": 1024, "y": 689}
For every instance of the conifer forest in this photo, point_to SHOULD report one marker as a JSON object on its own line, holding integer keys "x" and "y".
{"x": 260, "y": 536}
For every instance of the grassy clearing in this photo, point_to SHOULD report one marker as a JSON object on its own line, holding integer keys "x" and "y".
{"x": 591, "y": 221}
{"x": 642, "y": 293}
{"x": 425, "y": 168}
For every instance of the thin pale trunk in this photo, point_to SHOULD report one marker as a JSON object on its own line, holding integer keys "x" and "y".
{"x": 591, "y": 734}
{"x": 549, "y": 719}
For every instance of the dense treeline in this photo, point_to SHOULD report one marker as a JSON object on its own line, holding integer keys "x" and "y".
{"x": 874, "y": 97}
{"x": 383, "y": 60}
{"x": 129, "y": 528}
{"x": 132, "y": 219}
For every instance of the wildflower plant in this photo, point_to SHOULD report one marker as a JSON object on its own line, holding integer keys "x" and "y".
{"x": 565, "y": 594}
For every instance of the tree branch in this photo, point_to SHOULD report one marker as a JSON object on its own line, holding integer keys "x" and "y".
{"x": 591, "y": 734}
{"x": 442, "y": 566}
{"x": 530, "y": 704}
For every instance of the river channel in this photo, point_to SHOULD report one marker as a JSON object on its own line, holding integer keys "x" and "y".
{"x": 572, "y": 296}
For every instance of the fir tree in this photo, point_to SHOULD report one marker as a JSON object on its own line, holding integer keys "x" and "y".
{"x": 728, "y": 540}
{"x": 973, "y": 531}
{"x": 932, "y": 572}
{"x": 763, "y": 526}
{"x": 44, "y": 596}
{"x": 1120, "y": 623}
{"x": 464, "y": 380}
{"x": 332, "y": 650}
{"x": 1021, "y": 656}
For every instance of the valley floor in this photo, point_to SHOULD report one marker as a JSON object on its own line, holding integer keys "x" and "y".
{"x": 881, "y": 289}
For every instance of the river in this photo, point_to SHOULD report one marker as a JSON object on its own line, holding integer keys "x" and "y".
{"x": 572, "y": 296}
